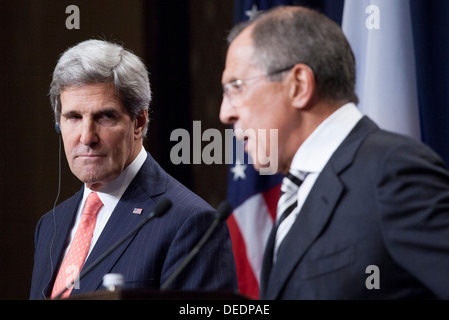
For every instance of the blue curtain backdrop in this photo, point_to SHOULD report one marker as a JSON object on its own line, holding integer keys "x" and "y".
{"x": 332, "y": 8}
{"x": 430, "y": 23}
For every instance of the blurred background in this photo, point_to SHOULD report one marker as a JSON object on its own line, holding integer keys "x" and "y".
{"x": 183, "y": 45}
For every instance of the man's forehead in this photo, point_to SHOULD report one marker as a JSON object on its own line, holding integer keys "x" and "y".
{"x": 240, "y": 58}
{"x": 100, "y": 93}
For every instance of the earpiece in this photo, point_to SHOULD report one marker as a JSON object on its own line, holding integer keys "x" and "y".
{"x": 57, "y": 128}
{"x": 58, "y": 131}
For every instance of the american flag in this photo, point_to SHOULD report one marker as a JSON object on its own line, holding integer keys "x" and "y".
{"x": 253, "y": 196}
{"x": 137, "y": 211}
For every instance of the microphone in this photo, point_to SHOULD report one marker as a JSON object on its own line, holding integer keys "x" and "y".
{"x": 159, "y": 209}
{"x": 224, "y": 210}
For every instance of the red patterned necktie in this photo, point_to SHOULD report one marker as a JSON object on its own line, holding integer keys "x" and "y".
{"x": 74, "y": 259}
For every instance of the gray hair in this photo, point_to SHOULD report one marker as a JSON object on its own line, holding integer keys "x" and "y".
{"x": 285, "y": 36}
{"x": 99, "y": 61}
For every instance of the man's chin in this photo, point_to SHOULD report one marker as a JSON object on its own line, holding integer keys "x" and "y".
{"x": 93, "y": 181}
{"x": 268, "y": 168}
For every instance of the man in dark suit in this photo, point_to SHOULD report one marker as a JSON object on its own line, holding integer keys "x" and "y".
{"x": 363, "y": 213}
{"x": 100, "y": 94}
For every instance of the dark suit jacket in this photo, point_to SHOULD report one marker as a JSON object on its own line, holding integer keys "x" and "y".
{"x": 382, "y": 200}
{"x": 150, "y": 257}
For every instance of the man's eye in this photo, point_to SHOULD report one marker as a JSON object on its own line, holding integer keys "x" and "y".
{"x": 236, "y": 86}
{"x": 107, "y": 118}
{"x": 73, "y": 117}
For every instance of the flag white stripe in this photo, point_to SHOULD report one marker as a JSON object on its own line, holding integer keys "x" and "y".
{"x": 255, "y": 223}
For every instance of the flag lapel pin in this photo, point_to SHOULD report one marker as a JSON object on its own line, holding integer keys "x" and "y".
{"x": 137, "y": 210}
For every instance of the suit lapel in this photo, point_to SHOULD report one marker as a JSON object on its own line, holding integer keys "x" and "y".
{"x": 64, "y": 217}
{"x": 267, "y": 261}
{"x": 315, "y": 213}
{"x": 123, "y": 220}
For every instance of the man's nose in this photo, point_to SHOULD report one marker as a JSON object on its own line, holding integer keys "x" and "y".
{"x": 89, "y": 133}
{"x": 228, "y": 114}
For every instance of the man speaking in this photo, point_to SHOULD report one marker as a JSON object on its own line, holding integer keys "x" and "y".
{"x": 363, "y": 213}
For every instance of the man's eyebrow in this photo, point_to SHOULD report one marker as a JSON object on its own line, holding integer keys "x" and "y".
{"x": 106, "y": 110}
{"x": 98, "y": 112}
{"x": 69, "y": 113}
{"x": 230, "y": 80}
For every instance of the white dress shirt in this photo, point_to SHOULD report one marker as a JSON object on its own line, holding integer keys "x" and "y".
{"x": 313, "y": 155}
{"x": 110, "y": 195}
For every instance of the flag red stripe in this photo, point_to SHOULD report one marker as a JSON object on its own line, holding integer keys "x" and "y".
{"x": 271, "y": 197}
{"x": 248, "y": 284}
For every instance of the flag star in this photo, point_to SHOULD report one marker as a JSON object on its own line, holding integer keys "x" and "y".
{"x": 253, "y": 12}
{"x": 239, "y": 170}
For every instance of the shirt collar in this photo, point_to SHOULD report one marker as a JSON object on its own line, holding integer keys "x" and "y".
{"x": 318, "y": 148}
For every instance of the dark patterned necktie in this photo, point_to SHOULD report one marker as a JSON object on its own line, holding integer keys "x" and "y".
{"x": 288, "y": 199}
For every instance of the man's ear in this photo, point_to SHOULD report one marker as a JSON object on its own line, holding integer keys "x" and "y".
{"x": 302, "y": 85}
{"x": 140, "y": 123}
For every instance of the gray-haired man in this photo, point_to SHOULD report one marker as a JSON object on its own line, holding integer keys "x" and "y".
{"x": 100, "y": 95}
{"x": 364, "y": 212}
